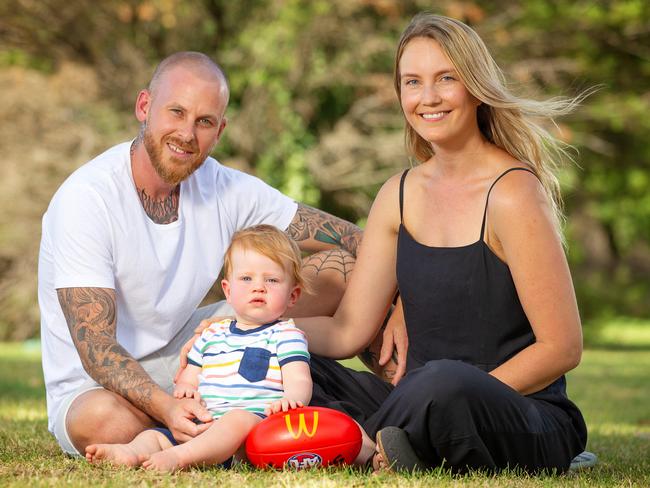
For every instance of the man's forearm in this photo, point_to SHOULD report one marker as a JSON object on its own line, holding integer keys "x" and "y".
{"x": 315, "y": 230}
{"x": 91, "y": 317}
{"x": 119, "y": 372}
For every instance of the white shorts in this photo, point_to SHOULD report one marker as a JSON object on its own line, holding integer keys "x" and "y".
{"x": 160, "y": 365}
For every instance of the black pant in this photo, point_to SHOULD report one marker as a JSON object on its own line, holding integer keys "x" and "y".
{"x": 455, "y": 415}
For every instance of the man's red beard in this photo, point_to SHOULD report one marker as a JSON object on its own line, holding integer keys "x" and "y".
{"x": 171, "y": 171}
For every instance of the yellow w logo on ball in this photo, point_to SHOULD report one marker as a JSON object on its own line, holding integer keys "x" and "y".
{"x": 302, "y": 426}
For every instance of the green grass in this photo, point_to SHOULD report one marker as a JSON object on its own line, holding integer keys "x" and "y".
{"x": 610, "y": 386}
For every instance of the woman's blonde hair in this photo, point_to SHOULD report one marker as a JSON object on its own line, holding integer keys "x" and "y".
{"x": 271, "y": 242}
{"x": 504, "y": 119}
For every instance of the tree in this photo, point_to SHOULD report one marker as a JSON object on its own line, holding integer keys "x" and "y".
{"x": 313, "y": 110}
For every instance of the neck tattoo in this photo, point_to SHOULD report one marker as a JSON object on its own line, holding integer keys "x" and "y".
{"x": 164, "y": 211}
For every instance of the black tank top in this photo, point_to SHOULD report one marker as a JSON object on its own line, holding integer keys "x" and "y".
{"x": 461, "y": 302}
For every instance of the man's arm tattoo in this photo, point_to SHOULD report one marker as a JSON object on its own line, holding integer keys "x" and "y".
{"x": 91, "y": 314}
{"x": 311, "y": 223}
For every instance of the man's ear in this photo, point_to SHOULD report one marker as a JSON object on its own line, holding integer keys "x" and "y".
{"x": 222, "y": 126}
{"x": 142, "y": 105}
{"x": 225, "y": 286}
{"x": 294, "y": 296}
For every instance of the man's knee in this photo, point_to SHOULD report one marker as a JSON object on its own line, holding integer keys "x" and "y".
{"x": 101, "y": 416}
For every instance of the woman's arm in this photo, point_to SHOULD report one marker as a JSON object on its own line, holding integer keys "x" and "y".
{"x": 371, "y": 288}
{"x": 521, "y": 231}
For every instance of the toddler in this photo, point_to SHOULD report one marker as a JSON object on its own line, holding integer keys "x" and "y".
{"x": 243, "y": 369}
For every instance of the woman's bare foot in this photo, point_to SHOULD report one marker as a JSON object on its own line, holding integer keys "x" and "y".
{"x": 166, "y": 460}
{"x": 118, "y": 454}
{"x": 395, "y": 452}
{"x": 379, "y": 463}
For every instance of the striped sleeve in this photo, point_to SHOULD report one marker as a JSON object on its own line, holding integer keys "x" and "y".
{"x": 195, "y": 356}
{"x": 292, "y": 344}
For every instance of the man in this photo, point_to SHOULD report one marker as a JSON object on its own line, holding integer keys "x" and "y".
{"x": 131, "y": 243}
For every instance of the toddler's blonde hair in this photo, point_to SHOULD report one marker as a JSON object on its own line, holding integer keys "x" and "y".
{"x": 271, "y": 242}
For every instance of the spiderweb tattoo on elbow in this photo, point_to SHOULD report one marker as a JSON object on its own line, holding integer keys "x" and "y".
{"x": 336, "y": 260}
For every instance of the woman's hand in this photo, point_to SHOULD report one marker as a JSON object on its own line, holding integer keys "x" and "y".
{"x": 386, "y": 354}
{"x": 187, "y": 347}
{"x": 394, "y": 346}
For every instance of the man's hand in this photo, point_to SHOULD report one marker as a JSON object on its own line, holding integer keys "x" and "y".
{"x": 282, "y": 405}
{"x": 179, "y": 418}
{"x": 395, "y": 343}
{"x": 187, "y": 347}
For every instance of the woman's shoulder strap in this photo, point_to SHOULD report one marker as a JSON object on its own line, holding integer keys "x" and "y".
{"x": 401, "y": 195}
{"x": 487, "y": 199}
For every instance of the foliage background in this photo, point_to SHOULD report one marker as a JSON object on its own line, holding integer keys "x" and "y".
{"x": 313, "y": 111}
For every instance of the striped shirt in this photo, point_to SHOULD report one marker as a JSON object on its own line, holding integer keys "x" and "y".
{"x": 242, "y": 368}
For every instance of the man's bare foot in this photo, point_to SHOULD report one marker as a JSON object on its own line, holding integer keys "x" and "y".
{"x": 118, "y": 454}
{"x": 166, "y": 460}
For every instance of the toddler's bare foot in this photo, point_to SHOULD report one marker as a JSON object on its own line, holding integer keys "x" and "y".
{"x": 118, "y": 454}
{"x": 166, "y": 460}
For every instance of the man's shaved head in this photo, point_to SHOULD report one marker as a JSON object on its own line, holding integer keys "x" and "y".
{"x": 182, "y": 114}
{"x": 198, "y": 62}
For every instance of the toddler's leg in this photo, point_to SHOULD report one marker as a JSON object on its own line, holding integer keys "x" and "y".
{"x": 131, "y": 454}
{"x": 367, "y": 449}
{"x": 213, "y": 446}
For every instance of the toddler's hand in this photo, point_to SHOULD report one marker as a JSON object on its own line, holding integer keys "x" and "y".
{"x": 183, "y": 390}
{"x": 282, "y": 405}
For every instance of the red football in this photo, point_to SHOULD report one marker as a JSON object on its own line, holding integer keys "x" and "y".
{"x": 303, "y": 438}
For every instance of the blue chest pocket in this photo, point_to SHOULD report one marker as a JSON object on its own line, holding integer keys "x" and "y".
{"x": 254, "y": 363}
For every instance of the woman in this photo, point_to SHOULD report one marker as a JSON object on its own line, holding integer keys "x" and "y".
{"x": 474, "y": 234}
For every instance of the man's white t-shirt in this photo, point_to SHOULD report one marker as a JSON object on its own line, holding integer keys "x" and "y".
{"x": 96, "y": 234}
